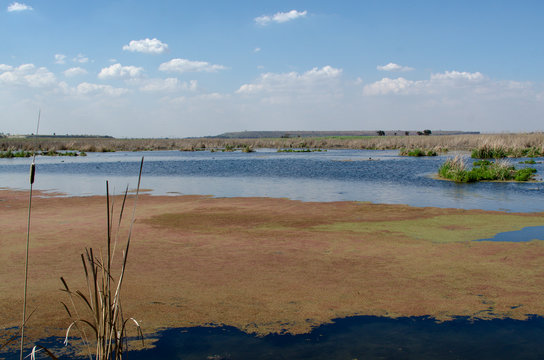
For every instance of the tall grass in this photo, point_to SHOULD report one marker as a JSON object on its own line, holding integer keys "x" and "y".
{"x": 96, "y": 313}
{"x": 501, "y": 170}
{"x": 99, "y": 309}
{"x": 465, "y": 142}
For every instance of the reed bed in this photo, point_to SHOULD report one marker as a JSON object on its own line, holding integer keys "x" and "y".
{"x": 456, "y": 169}
{"x": 466, "y": 142}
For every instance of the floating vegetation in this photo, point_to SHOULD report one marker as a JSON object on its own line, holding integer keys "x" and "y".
{"x": 457, "y": 170}
{"x": 301, "y": 150}
{"x": 531, "y": 161}
{"x": 15, "y": 154}
{"x": 417, "y": 152}
{"x": 25, "y": 154}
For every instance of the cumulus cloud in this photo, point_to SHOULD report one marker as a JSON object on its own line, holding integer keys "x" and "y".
{"x": 167, "y": 85}
{"x": 280, "y": 17}
{"x": 147, "y": 46}
{"x": 117, "y": 71}
{"x": 89, "y": 89}
{"x": 27, "y": 74}
{"x": 75, "y": 71}
{"x": 394, "y": 67}
{"x": 457, "y": 75}
{"x": 389, "y": 86}
{"x": 60, "y": 59}
{"x": 448, "y": 83}
{"x": 80, "y": 58}
{"x": 184, "y": 65}
{"x": 318, "y": 85}
{"x": 271, "y": 82}
{"x": 15, "y": 6}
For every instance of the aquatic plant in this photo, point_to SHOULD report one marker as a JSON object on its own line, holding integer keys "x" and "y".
{"x": 300, "y": 150}
{"x": 247, "y": 149}
{"x": 102, "y": 303}
{"x": 456, "y": 169}
{"x": 531, "y": 161}
{"x": 525, "y": 144}
{"x": 487, "y": 151}
{"x": 417, "y": 152}
{"x": 104, "y": 317}
{"x": 9, "y": 154}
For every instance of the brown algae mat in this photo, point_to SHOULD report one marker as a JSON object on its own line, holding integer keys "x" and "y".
{"x": 272, "y": 265}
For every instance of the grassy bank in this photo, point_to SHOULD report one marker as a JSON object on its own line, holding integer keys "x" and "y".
{"x": 516, "y": 143}
{"x": 457, "y": 170}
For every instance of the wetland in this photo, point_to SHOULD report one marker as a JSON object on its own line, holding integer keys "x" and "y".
{"x": 266, "y": 243}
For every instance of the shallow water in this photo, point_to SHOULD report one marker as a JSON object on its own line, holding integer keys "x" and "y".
{"x": 364, "y": 337}
{"x": 526, "y": 234}
{"x": 335, "y": 175}
{"x": 359, "y": 337}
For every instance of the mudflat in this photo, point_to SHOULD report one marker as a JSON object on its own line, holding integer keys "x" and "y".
{"x": 271, "y": 265}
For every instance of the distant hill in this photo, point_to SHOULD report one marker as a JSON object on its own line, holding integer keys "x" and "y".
{"x": 279, "y": 134}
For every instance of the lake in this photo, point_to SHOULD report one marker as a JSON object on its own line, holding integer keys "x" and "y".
{"x": 335, "y": 175}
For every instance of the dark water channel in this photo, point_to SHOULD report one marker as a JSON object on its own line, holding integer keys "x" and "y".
{"x": 364, "y": 337}
{"x": 335, "y": 175}
{"x": 360, "y": 337}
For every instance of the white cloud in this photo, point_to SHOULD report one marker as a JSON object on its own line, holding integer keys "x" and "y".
{"x": 456, "y": 75}
{"x": 257, "y": 49}
{"x": 449, "y": 84}
{"x": 89, "y": 89}
{"x": 184, "y": 65}
{"x": 167, "y": 85}
{"x": 60, "y": 59}
{"x": 389, "y": 86}
{"x": 272, "y": 82}
{"x": 394, "y": 67}
{"x": 80, "y": 58}
{"x": 15, "y": 6}
{"x": 316, "y": 86}
{"x": 75, "y": 71}
{"x": 147, "y": 46}
{"x": 117, "y": 71}
{"x": 280, "y": 17}
{"x": 27, "y": 74}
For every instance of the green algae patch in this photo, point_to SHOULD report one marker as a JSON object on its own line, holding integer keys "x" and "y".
{"x": 442, "y": 228}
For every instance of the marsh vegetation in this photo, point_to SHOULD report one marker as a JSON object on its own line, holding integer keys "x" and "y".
{"x": 457, "y": 170}
{"x": 522, "y": 144}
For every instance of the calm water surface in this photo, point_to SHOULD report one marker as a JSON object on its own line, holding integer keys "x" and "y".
{"x": 376, "y": 176}
{"x": 335, "y": 175}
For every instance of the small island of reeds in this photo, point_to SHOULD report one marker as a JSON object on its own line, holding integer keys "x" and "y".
{"x": 417, "y": 152}
{"x": 501, "y": 170}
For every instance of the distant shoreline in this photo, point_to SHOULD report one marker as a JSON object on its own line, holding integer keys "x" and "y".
{"x": 464, "y": 142}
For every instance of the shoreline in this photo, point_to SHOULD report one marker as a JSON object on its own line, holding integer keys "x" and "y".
{"x": 267, "y": 265}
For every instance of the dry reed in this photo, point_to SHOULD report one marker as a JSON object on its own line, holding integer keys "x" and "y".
{"x": 464, "y": 142}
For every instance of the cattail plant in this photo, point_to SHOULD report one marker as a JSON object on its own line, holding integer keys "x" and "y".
{"x": 96, "y": 313}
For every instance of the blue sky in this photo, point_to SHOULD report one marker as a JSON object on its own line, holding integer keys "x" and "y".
{"x": 186, "y": 68}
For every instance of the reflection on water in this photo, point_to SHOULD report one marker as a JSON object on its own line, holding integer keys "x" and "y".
{"x": 526, "y": 234}
{"x": 364, "y": 337}
{"x": 335, "y": 175}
